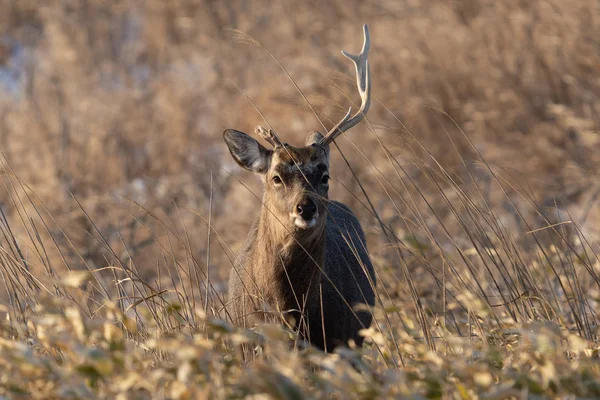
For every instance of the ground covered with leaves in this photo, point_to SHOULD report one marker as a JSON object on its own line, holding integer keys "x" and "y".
{"x": 60, "y": 354}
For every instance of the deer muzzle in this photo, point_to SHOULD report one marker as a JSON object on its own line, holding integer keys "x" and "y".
{"x": 305, "y": 214}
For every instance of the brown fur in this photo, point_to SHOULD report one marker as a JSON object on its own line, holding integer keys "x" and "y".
{"x": 313, "y": 277}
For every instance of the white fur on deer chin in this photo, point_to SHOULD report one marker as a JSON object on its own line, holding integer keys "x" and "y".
{"x": 301, "y": 223}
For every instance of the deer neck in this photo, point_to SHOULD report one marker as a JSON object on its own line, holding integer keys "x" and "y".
{"x": 288, "y": 254}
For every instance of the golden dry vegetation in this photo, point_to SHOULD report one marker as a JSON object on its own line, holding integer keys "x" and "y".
{"x": 475, "y": 178}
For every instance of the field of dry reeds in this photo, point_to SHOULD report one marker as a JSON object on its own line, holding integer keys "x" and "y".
{"x": 475, "y": 176}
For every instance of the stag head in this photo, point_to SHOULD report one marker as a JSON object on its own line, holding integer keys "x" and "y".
{"x": 297, "y": 178}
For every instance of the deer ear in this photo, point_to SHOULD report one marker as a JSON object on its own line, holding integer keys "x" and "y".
{"x": 247, "y": 152}
{"x": 314, "y": 138}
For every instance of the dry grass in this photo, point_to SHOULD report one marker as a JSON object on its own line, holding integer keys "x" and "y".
{"x": 474, "y": 176}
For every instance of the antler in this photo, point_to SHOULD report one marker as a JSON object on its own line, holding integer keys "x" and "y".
{"x": 269, "y": 135}
{"x": 363, "y": 81}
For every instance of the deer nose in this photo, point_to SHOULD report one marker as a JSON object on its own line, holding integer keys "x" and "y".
{"x": 306, "y": 210}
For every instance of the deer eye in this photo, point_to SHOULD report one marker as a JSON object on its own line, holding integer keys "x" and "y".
{"x": 325, "y": 179}
{"x": 277, "y": 180}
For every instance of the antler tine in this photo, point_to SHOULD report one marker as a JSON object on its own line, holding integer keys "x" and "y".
{"x": 363, "y": 82}
{"x": 269, "y": 135}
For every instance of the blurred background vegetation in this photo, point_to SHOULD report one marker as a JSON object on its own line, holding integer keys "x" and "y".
{"x": 474, "y": 176}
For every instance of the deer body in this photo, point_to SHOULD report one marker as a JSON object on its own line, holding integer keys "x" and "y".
{"x": 305, "y": 256}
{"x": 315, "y": 276}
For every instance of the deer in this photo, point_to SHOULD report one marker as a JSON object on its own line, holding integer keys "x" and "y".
{"x": 305, "y": 255}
